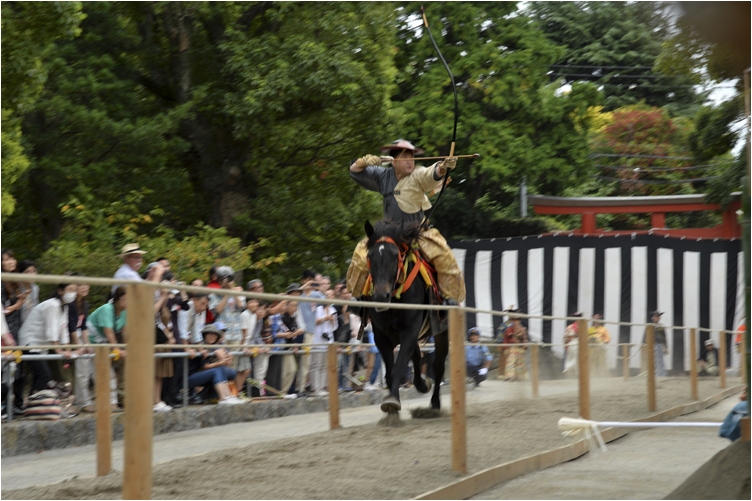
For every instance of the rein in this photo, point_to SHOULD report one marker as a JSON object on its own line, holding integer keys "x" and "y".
{"x": 403, "y": 281}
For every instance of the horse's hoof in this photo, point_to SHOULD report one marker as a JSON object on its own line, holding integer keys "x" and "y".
{"x": 391, "y": 405}
{"x": 427, "y": 383}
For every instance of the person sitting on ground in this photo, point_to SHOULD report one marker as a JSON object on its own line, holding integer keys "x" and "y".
{"x": 212, "y": 366}
{"x": 477, "y": 357}
{"x": 707, "y": 364}
{"x": 732, "y": 425}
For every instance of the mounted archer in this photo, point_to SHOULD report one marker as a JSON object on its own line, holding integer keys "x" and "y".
{"x": 404, "y": 190}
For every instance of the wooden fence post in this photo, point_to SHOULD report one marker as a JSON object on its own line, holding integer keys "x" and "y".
{"x": 650, "y": 358}
{"x": 103, "y": 419}
{"x": 583, "y": 366}
{"x": 534, "y": 368}
{"x": 139, "y": 392}
{"x": 458, "y": 376}
{"x": 625, "y": 361}
{"x": 333, "y": 386}
{"x": 722, "y": 358}
{"x": 693, "y": 363}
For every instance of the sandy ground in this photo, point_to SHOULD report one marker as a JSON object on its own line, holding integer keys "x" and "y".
{"x": 372, "y": 461}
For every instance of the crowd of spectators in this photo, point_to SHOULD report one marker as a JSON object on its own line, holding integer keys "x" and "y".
{"x": 231, "y": 373}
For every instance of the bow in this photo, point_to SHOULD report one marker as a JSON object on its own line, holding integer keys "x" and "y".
{"x": 456, "y": 111}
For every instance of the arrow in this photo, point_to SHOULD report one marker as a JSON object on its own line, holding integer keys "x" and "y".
{"x": 474, "y": 155}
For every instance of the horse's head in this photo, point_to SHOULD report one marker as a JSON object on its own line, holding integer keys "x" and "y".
{"x": 387, "y": 244}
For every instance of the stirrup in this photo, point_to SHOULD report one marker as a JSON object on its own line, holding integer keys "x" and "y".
{"x": 450, "y": 302}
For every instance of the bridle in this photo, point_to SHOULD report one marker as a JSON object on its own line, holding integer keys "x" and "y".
{"x": 402, "y": 249}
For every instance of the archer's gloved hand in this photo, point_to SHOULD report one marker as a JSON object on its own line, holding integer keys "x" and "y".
{"x": 483, "y": 371}
{"x": 449, "y": 163}
{"x": 362, "y": 162}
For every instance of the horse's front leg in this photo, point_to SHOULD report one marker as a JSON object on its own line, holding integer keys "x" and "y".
{"x": 392, "y": 403}
{"x": 442, "y": 349}
{"x": 386, "y": 350}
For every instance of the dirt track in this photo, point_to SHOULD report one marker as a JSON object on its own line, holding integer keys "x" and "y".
{"x": 377, "y": 462}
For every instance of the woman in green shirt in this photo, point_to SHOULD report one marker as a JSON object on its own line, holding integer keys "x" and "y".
{"x": 106, "y": 325}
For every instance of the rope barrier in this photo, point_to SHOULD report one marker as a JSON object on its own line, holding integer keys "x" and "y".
{"x": 57, "y": 279}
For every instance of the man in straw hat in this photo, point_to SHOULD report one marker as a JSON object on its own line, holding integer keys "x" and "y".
{"x": 133, "y": 258}
{"x": 404, "y": 189}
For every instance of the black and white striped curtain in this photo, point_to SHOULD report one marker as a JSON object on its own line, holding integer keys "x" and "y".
{"x": 695, "y": 282}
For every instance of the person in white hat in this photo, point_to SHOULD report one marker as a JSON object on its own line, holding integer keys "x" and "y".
{"x": 404, "y": 189}
{"x": 133, "y": 258}
{"x": 707, "y": 364}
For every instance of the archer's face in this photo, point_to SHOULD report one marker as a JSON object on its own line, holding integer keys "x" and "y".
{"x": 404, "y": 163}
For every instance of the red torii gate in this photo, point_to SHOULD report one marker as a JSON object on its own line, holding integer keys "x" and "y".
{"x": 656, "y": 206}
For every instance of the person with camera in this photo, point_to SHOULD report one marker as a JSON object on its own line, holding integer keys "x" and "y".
{"x": 133, "y": 258}
{"x": 326, "y": 324}
{"x": 178, "y": 302}
{"x": 307, "y": 312}
{"x": 15, "y": 297}
{"x": 27, "y": 267}
{"x": 164, "y": 327}
{"x": 261, "y": 336}
{"x": 227, "y": 309}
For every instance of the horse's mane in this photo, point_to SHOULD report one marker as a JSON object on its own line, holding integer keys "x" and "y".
{"x": 396, "y": 231}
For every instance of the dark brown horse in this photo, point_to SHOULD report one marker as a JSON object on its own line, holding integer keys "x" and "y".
{"x": 389, "y": 245}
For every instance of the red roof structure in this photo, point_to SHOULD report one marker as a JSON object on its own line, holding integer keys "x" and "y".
{"x": 656, "y": 206}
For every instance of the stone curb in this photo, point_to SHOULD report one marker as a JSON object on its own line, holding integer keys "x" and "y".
{"x": 27, "y": 437}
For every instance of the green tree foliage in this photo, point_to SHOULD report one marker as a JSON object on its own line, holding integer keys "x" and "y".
{"x": 29, "y": 30}
{"x": 243, "y": 115}
{"x": 640, "y": 151}
{"x": 698, "y": 46}
{"x": 626, "y": 34}
{"x": 94, "y": 230}
{"x": 508, "y": 112}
